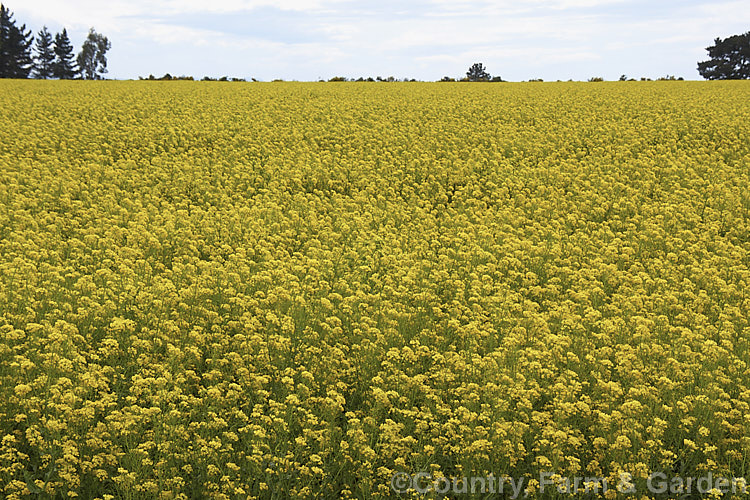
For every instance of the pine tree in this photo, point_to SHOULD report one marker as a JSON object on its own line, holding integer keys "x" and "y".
{"x": 730, "y": 59}
{"x": 45, "y": 56}
{"x": 15, "y": 47}
{"x": 64, "y": 67}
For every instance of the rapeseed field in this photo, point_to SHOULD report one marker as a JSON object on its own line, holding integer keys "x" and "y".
{"x": 298, "y": 290}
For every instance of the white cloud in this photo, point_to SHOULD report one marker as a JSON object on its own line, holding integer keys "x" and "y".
{"x": 228, "y": 6}
{"x": 117, "y": 15}
{"x": 392, "y": 37}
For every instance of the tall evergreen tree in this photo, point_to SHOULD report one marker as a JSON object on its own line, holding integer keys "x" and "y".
{"x": 44, "y": 59}
{"x": 64, "y": 67}
{"x": 15, "y": 47}
{"x": 92, "y": 59}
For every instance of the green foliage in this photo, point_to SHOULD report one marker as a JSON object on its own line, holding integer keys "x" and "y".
{"x": 729, "y": 59}
{"x": 669, "y": 78}
{"x": 15, "y": 47}
{"x": 478, "y": 73}
{"x": 44, "y": 58}
{"x": 51, "y": 58}
{"x": 64, "y": 68}
{"x": 92, "y": 60}
{"x": 211, "y": 79}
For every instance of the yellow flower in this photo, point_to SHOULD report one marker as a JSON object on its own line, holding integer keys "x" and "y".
{"x": 321, "y": 284}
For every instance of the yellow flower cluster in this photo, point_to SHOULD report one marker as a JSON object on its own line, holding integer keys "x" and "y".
{"x": 298, "y": 290}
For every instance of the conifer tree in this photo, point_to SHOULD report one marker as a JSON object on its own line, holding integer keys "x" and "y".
{"x": 64, "y": 68}
{"x": 730, "y": 59}
{"x": 44, "y": 57}
{"x": 15, "y": 47}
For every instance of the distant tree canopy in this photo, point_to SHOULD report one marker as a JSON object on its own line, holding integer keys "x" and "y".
{"x": 729, "y": 59}
{"x": 44, "y": 57}
{"x": 53, "y": 57}
{"x": 64, "y": 68}
{"x": 15, "y": 47}
{"x": 92, "y": 59}
{"x": 478, "y": 73}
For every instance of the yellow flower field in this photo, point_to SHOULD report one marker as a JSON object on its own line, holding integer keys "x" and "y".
{"x": 213, "y": 290}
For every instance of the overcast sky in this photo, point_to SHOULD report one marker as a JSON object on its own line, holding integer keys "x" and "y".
{"x": 422, "y": 39}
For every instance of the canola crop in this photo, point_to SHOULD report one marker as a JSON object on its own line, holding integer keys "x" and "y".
{"x": 282, "y": 290}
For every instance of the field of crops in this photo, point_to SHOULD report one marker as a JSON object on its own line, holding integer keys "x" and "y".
{"x": 214, "y": 290}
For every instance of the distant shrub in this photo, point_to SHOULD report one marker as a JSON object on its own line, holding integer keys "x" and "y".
{"x": 669, "y": 78}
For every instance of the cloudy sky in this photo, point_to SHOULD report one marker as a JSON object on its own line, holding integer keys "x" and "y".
{"x": 423, "y": 39}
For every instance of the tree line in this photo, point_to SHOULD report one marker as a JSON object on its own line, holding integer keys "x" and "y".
{"x": 51, "y": 56}
{"x": 729, "y": 60}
